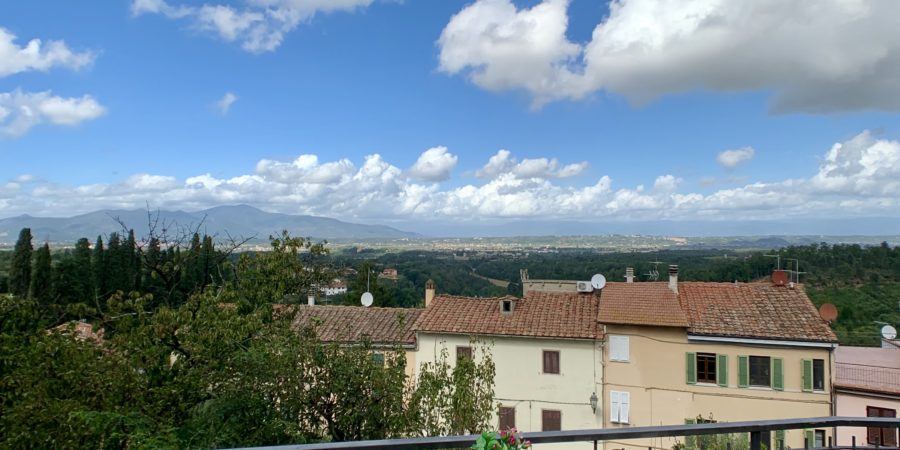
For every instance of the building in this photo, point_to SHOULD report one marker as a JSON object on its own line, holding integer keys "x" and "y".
{"x": 385, "y": 328}
{"x": 867, "y": 383}
{"x": 336, "y": 287}
{"x": 687, "y": 352}
{"x": 546, "y": 348}
{"x": 389, "y": 273}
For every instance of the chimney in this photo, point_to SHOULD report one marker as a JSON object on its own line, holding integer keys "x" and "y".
{"x": 311, "y": 300}
{"x": 429, "y": 292}
{"x": 673, "y": 278}
{"x": 629, "y": 274}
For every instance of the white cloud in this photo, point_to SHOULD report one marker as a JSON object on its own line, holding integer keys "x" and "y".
{"x": 503, "y": 162}
{"x": 259, "y": 26}
{"x": 813, "y": 57}
{"x": 36, "y": 55}
{"x": 857, "y": 177}
{"x": 224, "y": 104}
{"x": 23, "y": 110}
{"x": 730, "y": 159}
{"x": 434, "y": 164}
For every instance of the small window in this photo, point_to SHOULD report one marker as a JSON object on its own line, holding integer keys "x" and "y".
{"x": 760, "y": 371}
{"x": 507, "y": 418}
{"x": 819, "y": 374}
{"x": 619, "y": 406}
{"x": 820, "y": 439}
{"x": 506, "y": 306}
{"x": 551, "y": 420}
{"x": 618, "y": 348}
{"x": 881, "y": 436}
{"x": 706, "y": 368}
{"x": 551, "y": 361}
{"x": 378, "y": 359}
{"x": 463, "y": 351}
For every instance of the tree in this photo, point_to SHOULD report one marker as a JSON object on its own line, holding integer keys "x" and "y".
{"x": 101, "y": 276}
{"x": 41, "y": 279}
{"x": 20, "y": 270}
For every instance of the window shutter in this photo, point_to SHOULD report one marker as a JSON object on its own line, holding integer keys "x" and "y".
{"x": 507, "y": 418}
{"x": 691, "y": 364}
{"x": 778, "y": 374}
{"x": 722, "y": 370}
{"x": 807, "y": 375}
{"x": 690, "y": 442}
{"x": 810, "y": 436}
{"x": 624, "y": 406}
{"x": 743, "y": 371}
{"x": 613, "y": 406}
{"x": 889, "y": 435}
{"x": 779, "y": 439}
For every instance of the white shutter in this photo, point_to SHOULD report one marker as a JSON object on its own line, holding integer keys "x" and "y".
{"x": 618, "y": 348}
{"x": 613, "y": 406}
{"x": 624, "y": 406}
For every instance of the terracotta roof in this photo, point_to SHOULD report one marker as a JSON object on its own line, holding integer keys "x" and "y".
{"x": 752, "y": 310}
{"x": 652, "y": 304}
{"x": 541, "y": 314}
{"x": 82, "y": 331}
{"x": 345, "y": 324}
{"x": 867, "y": 369}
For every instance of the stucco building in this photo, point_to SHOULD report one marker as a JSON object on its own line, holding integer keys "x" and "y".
{"x": 867, "y": 383}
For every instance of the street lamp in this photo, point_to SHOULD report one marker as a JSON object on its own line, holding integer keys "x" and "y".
{"x": 594, "y": 402}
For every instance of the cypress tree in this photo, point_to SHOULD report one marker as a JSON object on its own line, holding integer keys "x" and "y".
{"x": 20, "y": 271}
{"x": 84, "y": 287}
{"x": 41, "y": 284}
{"x": 98, "y": 264}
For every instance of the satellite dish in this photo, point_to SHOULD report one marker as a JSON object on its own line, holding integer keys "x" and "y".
{"x": 598, "y": 281}
{"x": 367, "y": 299}
{"x": 888, "y": 332}
{"x": 828, "y": 312}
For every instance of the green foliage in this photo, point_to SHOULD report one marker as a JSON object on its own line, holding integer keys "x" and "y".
{"x": 41, "y": 286}
{"x": 733, "y": 441}
{"x": 20, "y": 268}
{"x": 504, "y": 440}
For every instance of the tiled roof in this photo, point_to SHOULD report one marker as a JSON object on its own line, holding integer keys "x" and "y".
{"x": 752, "y": 310}
{"x": 540, "y": 314}
{"x": 82, "y": 331}
{"x": 867, "y": 369}
{"x": 652, "y": 304}
{"x": 383, "y": 326}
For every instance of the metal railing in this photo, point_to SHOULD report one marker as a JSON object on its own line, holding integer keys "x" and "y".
{"x": 755, "y": 428}
{"x": 876, "y": 377}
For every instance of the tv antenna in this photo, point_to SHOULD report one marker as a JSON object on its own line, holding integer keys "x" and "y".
{"x": 777, "y": 261}
{"x": 653, "y": 274}
{"x": 367, "y": 299}
{"x": 795, "y": 274}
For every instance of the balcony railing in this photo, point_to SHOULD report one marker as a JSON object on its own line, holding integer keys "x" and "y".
{"x": 871, "y": 377}
{"x": 755, "y": 428}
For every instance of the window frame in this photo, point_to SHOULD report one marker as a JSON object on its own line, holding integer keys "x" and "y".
{"x": 619, "y": 345}
{"x": 506, "y": 412}
{"x": 882, "y": 432}
{"x": 710, "y": 359}
{"x": 767, "y": 369}
{"x": 818, "y": 376}
{"x": 618, "y": 399}
{"x": 544, "y": 415}
{"x": 464, "y": 351}
{"x": 544, "y": 354}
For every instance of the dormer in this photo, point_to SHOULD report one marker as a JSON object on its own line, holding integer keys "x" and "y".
{"x": 507, "y": 305}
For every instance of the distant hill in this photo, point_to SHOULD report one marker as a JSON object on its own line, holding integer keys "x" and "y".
{"x": 238, "y": 220}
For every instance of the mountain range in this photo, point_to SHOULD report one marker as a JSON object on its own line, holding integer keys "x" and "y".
{"x": 238, "y": 220}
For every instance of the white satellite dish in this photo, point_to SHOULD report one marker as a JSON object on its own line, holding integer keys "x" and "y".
{"x": 367, "y": 299}
{"x": 598, "y": 281}
{"x": 888, "y": 332}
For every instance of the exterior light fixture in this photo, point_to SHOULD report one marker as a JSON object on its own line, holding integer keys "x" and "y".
{"x": 594, "y": 402}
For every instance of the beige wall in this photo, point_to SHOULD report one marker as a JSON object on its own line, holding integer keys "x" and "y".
{"x": 655, "y": 378}
{"x": 854, "y": 404}
{"x": 520, "y": 382}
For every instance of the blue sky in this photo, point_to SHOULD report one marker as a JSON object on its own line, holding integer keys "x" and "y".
{"x": 633, "y": 102}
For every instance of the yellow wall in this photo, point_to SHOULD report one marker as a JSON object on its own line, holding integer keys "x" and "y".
{"x": 655, "y": 377}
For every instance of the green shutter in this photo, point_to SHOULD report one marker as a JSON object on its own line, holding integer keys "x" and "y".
{"x": 743, "y": 371}
{"x": 810, "y": 439}
{"x": 778, "y": 374}
{"x": 691, "y": 360}
{"x": 779, "y": 440}
{"x": 807, "y": 375}
{"x": 722, "y": 370}
{"x": 690, "y": 442}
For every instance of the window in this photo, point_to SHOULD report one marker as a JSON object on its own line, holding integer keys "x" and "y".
{"x": 818, "y": 374}
{"x": 551, "y": 420}
{"x": 760, "y": 371}
{"x": 820, "y": 438}
{"x": 618, "y": 348}
{"x": 551, "y": 361}
{"x": 378, "y": 359}
{"x": 507, "y": 418}
{"x": 881, "y": 436}
{"x": 506, "y": 307}
{"x": 619, "y": 405}
{"x": 706, "y": 368}
{"x": 463, "y": 351}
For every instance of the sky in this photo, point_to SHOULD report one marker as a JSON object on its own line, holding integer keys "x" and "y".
{"x": 454, "y": 113}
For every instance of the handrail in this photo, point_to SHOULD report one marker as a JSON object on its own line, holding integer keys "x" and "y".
{"x": 605, "y": 434}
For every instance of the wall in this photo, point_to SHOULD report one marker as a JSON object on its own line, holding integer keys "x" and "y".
{"x": 854, "y": 404}
{"x": 655, "y": 377}
{"x": 520, "y": 383}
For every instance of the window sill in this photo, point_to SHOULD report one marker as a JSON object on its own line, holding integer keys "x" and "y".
{"x": 620, "y": 360}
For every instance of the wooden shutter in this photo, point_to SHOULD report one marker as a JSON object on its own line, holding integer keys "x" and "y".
{"x": 810, "y": 437}
{"x": 690, "y": 442}
{"x": 551, "y": 420}
{"x": 779, "y": 439}
{"x": 807, "y": 375}
{"x": 691, "y": 364}
{"x": 624, "y": 406}
{"x": 614, "y": 406}
{"x": 778, "y": 374}
{"x": 889, "y": 435}
{"x": 743, "y": 371}
{"x": 722, "y": 370}
{"x": 507, "y": 418}
{"x": 551, "y": 361}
